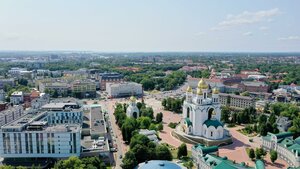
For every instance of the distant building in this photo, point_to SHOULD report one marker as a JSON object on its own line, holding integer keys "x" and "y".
{"x": 109, "y": 78}
{"x": 151, "y": 134}
{"x": 17, "y": 98}
{"x": 61, "y": 88}
{"x": 281, "y": 95}
{"x": 83, "y": 89}
{"x": 7, "y": 82}
{"x": 283, "y": 123}
{"x": 40, "y": 101}
{"x": 254, "y": 86}
{"x": 208, "y": 158}
{"x": 132, "y": 110}
{"x": 10, "y": 113}
{"x": 124, "y": 89}
{"x": 236, "y": 101}
{"x": 286, "y": 147}
{"x": 2, "y": 95}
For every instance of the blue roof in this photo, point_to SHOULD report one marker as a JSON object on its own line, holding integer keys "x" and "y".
{"x": 158, "y": 164}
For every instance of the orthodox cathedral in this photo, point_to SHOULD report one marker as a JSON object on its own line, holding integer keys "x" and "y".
{"x": 202, "y": 113}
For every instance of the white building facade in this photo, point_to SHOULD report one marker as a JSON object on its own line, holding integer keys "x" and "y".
{"x": 124, "y": 89}
{"x": 201, "y": 113}
{"x": 17, "y": 98}
{"x": 48, "y": 134}
{"x": 132, "y": 110}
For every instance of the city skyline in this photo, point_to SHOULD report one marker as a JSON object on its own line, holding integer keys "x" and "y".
{"x": 150, "y": 26}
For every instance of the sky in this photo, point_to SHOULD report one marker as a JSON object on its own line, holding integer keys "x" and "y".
{"x": 150, "y": 25}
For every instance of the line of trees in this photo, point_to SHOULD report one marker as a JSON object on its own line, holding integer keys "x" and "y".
{"x": 173, "y": 104}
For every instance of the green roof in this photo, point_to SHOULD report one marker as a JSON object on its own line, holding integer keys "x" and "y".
{"x": 286, "y": 142}
{"x": 217, "y": 162}
{"x": 206, "y": 150}
{"x": 215, "y": 123}
{"x": 259, "y": 164}
{"x": 188, "y": 121}
{"x": 283, "y": 135}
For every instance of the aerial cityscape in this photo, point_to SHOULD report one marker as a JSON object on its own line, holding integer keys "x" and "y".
{"x": 149, "y": 84}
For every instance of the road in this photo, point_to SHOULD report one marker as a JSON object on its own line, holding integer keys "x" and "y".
{"x": 108, "y": 106}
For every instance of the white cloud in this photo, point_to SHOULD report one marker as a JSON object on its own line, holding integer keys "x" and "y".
{"x": 248, "y": 34}
{"x": 263, "y": 28}
{"x": 246, "y": 18}
{"x": 200, "y": 33}
{"x": 289, "y": 38}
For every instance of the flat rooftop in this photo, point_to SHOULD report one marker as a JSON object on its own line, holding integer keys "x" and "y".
{"x": 97, "y": 121}
{"x": 59, "y": 105}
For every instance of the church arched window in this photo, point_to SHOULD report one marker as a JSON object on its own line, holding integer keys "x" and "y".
{"x": 188, "y": 112}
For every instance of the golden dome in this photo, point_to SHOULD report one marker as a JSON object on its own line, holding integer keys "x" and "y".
{"x": 199, "y": 91}
{"x": 215, "y": 91}
{"x": 202, "y": 84}
{"x": 189, "y": 89}
{"x": 213, "y": 113}
{"x": 132, "y": 98}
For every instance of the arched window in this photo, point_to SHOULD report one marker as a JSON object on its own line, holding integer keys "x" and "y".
{"x": 188, "y": 112}
{"x": 134, "y": 115}
{"x": 210, "y": 111}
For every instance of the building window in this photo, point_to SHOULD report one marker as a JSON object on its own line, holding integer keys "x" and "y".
{"x": 211, "y": 134}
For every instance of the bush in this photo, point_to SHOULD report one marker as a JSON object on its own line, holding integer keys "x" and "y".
{"x": 172, "y": 125}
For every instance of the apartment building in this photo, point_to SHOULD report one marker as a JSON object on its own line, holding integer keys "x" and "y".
{"x": 124, "y": 89}
{"x": 236, "y": 101}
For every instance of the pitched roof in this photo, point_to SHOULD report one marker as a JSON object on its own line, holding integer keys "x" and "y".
{"x": 215, "y": 123}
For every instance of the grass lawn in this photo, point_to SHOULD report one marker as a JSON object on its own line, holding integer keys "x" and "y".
{"x": 174, "y": 151}
{"x": 246, "y": 133}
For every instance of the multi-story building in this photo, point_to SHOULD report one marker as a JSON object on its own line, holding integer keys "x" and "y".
{"x": 10, "y": 113}
{"x": 287, "y": 148}
{"x": 254, "y": 86}
{"x": 40, "y": 101}
{"x": 17, "y": 97}
{"x": 2, "y": 95}
{"x": 208, "y": 158}
{"x": 55, "y": 133}
{"x": 83, "y": 89}
{"x": 124, "y": 89}
{"x": 236, "y": 101}
{"x": 9, "y": 82}
{"x": 62, "y": 88}
{"x": 109, "y": 78}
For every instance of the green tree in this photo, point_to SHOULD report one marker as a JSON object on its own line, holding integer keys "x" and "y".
{"x": 163, "y": 153}
{"x": 141, "y": 153}
{"x": 182, "y": 150}
{"x": 70, "y": 163}
{"x": 138, "y": 139}
{"x": 55, "y": 94}
{"x": 273, "y": 156}
{"x": 263, "y": 129}
{"x": 160, "y": 127}
{"x": 159, "y": 117}
{"x": 144, "y": 122}
{"x": 129, "y": 161}
{"x": 147, "y": 112}
{"x": 225, "y": 114}
{"x": 152, "y": 126}
{"x": 251, "y": 153}
{"x": 127, "y": 128}
{"x": 259, "y": 152}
